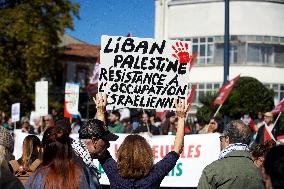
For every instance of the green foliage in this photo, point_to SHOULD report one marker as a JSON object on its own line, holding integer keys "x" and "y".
{"x": 204, "y": 113}
{"x": 249, "y": 95}
{"x": 29, "y": 38}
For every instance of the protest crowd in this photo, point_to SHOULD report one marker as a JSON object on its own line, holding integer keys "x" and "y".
{"x": 58, "y": 161}
{"x": 251, "y": 153}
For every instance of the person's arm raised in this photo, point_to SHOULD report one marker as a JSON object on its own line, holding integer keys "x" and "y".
{"x": 100, "y": 101}
{"x": 181, "y": 110}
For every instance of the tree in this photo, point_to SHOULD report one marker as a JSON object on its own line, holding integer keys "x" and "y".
{"x": 205, "y": 112}
{"x": 29, "y": 51}
{"x": 249, "y": 95}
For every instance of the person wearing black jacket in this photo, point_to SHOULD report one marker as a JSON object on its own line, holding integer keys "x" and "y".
{"x": 267, "y": 131}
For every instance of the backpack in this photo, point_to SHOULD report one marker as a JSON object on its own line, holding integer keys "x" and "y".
{"x": 23, "y": 175}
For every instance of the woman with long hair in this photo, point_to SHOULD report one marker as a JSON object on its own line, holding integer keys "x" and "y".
{"x": 31, "y": 151}
{"x": 169, "y": 125}
{"x": 30, "y": 159}
{"x": 58, "y": 168}
{"x": 135, "y": 162}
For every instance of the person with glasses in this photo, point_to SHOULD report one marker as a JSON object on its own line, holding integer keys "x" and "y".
{"x": 93, "y": 143}
{"x": 235, "y": 168}
{"x": 259, "y": 152}
{"x": 267, "y": 131}
{"x": 215, "y": 125}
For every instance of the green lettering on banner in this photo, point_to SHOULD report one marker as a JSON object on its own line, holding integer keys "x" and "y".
{"x": 176, "y": 171}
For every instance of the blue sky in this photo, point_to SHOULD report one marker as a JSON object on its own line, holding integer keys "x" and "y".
{"x": 113, "y": 17}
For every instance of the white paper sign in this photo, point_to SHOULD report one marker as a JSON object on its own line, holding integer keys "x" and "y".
{"x": 15, "y": 112}
{"x": 72, "y": 98}
{"x": 34, "y": 117}
{"x": 199, "y": 151}
{"x": 41, "y": 99}
{"x": 143, "y": 73}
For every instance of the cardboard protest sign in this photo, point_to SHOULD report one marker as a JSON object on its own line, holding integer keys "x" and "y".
{"x": 71, "y": 99}
{"x": 15, "y": 112}
{"x": 143, "y": 73}
{"x": 41, "y": 99}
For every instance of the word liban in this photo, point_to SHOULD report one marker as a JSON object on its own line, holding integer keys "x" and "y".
{"x": 143, "y": 73}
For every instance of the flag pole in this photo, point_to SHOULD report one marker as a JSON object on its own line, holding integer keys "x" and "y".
{"x": 218, "y": 110}
{"x": 277, "y": 118}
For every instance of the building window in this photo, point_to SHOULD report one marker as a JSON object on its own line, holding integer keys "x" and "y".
{"x": 262, "y": 50}
{"x": 204, "y": 46}
{"x": 237, "y": 53}
{"x": 281, "y": 92}
{"x": 279, "y": 54}
{"x": 260, "y": 53}
{"x": 205, "y": 88}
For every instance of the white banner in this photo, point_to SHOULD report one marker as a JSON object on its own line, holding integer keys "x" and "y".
{"x": 72, "y": 98}
{"x": 15, "y": 112}
{"x": 41, "y": 98}
{"x": 199, "y": 151}
{"x": 143, "y": 73}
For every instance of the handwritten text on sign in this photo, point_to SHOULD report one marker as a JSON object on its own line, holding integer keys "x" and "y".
{"x": 143, "y": 73}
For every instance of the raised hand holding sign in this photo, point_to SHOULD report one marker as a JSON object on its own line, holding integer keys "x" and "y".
{"x": 144, "y": 73}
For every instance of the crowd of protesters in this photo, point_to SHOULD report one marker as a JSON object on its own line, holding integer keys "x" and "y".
{"x": 249, "y": 157}
{"x": 156, "y": 123}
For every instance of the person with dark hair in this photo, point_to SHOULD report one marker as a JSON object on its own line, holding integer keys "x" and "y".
{"x": 47, "y": 136}
{"x": 259, "y": 152}
{"x": 115, "y": 126}
{"x": 169, "y": 125}
{"x": 146, "y": 126}
{"x": 235, "y": 167}
{"x": 217, "y": 125}
{"x": 80, "y": 154}
{"x": 274, "y": 168}
{"x": 64, "y": 126}
{"x": 248, "y": 121}
{"x": 259, "y": 119}
{"x": 135, "y": 163}
{"x": 58, "y": 170}
{"x": 214, "y": 126}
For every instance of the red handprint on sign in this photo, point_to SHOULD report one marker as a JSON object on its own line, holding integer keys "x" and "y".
{"x": 181, "y": 52}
